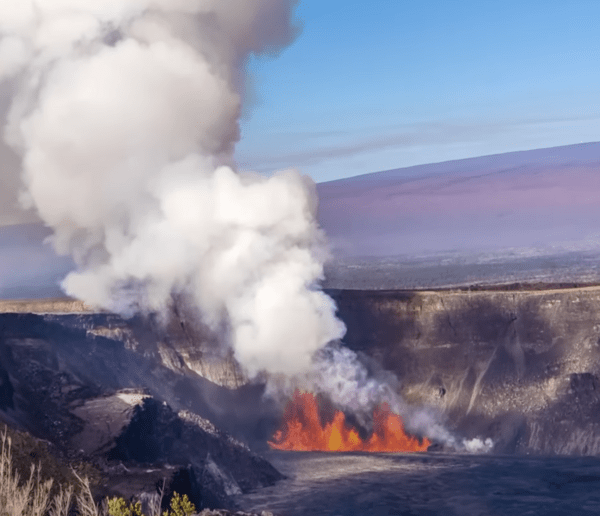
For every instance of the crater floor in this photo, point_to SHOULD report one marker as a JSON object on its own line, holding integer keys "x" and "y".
{"x": 348, "y": 484}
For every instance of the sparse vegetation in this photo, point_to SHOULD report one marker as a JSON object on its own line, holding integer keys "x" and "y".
{"x": 35, "y": 496}
{"x": 119, "y": 507}
{"x": 180, "y": 506}
{"x": 17, "y": 497}
{"x": 26, "y": 449}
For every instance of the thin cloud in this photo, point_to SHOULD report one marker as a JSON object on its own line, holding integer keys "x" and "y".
{"x": 399, "y": 137}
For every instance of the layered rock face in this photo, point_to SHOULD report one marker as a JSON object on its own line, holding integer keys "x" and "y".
{"x": 521, "y": 367}
{"x": 182, "y": 344}
{"x": 125, "y": 395}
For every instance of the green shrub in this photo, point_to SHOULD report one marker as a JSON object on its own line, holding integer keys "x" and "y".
{"x": 180, "y": 506}
{"x": 32, "y": 497}
{"x": 118, "y": 507}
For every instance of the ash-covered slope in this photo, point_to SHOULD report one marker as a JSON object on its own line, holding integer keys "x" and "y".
{"x": 127, "y": 392}
{"x": 521, "y": 367}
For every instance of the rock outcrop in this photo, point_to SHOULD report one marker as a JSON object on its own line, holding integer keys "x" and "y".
{"x": 121, "y": 395}
{"x": 519, "y": 366}
{"x": 182, "y": 344}
{"x": 137, "y": 438}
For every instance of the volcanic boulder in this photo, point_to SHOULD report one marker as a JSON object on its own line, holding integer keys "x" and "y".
{"x": 99, "y": 389}
{"x": 138, "y": 436}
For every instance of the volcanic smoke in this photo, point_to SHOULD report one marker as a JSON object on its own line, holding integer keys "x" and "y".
{"x": 125, "y": 114}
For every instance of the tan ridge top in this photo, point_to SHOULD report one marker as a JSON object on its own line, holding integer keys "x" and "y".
{"x": 533, "y": 292}
{"x": 66, "y": 305}
{"x": 63, "y": 305}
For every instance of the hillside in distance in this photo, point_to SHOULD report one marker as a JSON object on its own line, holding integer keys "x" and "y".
{"x": 527, "y": 199}
{"x": 514, "y": 217}
{"x": 519, "y": 216}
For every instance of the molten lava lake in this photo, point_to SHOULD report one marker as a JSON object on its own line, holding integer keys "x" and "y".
{"x": 424, "y": 484}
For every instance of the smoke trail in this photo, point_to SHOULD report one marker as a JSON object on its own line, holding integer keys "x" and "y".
{"x": 125, "y": 116}
{"x": 357, "y": 387}
{"x": 352, "y": 386}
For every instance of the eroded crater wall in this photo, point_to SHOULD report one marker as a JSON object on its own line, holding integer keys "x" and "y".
{"x": 522, "y": 367}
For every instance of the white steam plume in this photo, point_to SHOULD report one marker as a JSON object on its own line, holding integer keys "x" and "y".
{"x": 125, "y": 116}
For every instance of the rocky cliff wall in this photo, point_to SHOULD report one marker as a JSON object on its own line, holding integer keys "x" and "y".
{"x": 119, "y": 392}
{"x": 49, "y": 359}
{"x": 183, "y": 345}
{"x": 521, "y": 367}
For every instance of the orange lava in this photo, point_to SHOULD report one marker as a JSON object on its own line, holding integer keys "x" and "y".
{"x": 302, "y": 431}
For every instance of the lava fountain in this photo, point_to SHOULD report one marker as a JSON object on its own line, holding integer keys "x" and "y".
{"x": 302, "y": 430}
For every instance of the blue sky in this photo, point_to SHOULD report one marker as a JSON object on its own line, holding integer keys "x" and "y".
{"x": 371, "y": 86}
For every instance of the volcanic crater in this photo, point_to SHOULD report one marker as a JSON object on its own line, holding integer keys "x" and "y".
{"x": 143, "y": 403}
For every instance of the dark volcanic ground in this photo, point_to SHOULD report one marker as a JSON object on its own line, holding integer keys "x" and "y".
{"x": 352, "y": 484}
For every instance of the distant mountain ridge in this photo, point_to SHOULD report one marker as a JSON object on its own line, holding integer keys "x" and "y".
{"x": 542, "y": 198}
{"x": 577, "y": 153}
{"x": 540, "y": 202}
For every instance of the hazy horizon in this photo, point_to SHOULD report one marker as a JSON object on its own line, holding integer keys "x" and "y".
{"x": 403, "y": 214}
